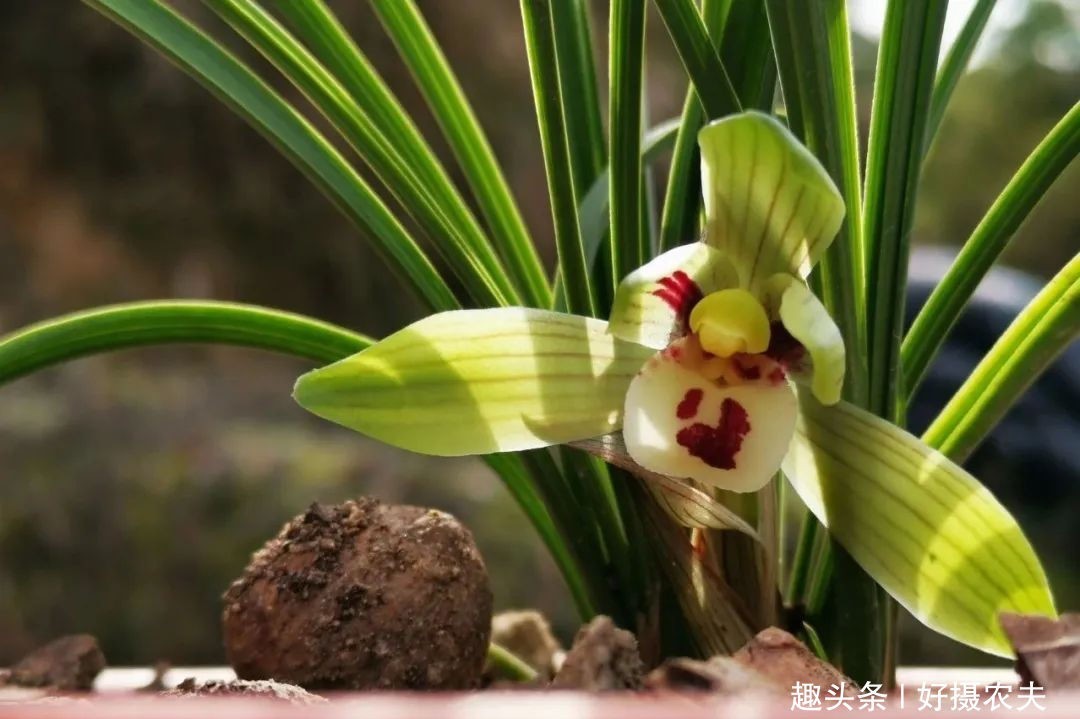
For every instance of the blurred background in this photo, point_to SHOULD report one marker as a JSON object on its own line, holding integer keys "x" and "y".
{"x": 136, "y": 485}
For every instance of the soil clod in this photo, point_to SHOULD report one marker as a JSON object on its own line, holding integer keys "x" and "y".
{"x": 363, "y": 595}
{"x": 603, "y": 658}
{"x": 527, "y": 635}
{"x": 1047, "y": 650}
{"x": 265, "y": 689}
{"x": 67, "y": 664}
{"x": 783, "y": 659}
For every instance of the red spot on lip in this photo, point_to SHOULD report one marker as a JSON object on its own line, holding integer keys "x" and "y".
{"x": 717, "y": 446}
{"x": 688, "y": 407}
{"x": 679, "y": 292}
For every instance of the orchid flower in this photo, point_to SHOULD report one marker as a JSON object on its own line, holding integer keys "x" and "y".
{"x": 719, "y": 366}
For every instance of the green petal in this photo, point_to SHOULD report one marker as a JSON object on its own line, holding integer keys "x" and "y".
{"x": 921, "y": 526}
{"x": 653, "y": 302}
{"x": 803, "y": 315}
{"x": 480, "y": 381}
{"x": 769, "y": 204}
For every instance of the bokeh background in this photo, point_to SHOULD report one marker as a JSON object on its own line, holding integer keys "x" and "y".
{"x": 134, "y": 486}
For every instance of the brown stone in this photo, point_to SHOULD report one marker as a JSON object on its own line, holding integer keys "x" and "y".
{"x": 1047, "y": 650}
{"x": 67, "y": 664}
{"x": 603, "y": 658}
{"x": 527, "y": 635}
{"x": 783, "y": 659}
{"x": 719, "y": 675}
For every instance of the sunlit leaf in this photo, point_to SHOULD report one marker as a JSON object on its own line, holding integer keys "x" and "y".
{"x": 480, "y": 381}
{"x": 921, "y": 526}
{"x": 769, "y": 204}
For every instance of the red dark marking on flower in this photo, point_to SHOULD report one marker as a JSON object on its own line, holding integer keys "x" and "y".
{"x": 747, "y": 372}
{"x": 679, "y": 292}
{"x": 784, "y": 348}
{"x": 717, "y": 446}
{"x": 688, "y": 407}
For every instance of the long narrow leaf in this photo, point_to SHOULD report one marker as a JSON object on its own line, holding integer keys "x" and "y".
{"x": 698, "y": 54}
{"x": 241, "y": 90}
{"x": 954, "y": 64}
{"x": 627, "y": 58}
{"x": 593, "y": 213}
{"x": 316, "y": 25}
{"x": 1044, "y": 328}
{"x": 171, "y": 321}
{"x": 987, "y": 242}
{"x": 543, "y": 66}
{"x": 581, "y": 99}
{"x": 907, "y": 61}
{"x": 682, "y": 196}
{"x": 436, "y": 80}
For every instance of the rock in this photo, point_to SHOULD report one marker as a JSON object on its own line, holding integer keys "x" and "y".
{"x": 66, "y": 664}
{"x": 719, "y": 675}
{"x": 1047, "y": 650}
{"x": 783, "y": 659}
{"x": 363, "y": 596}
{"x": 527, "y": 635}
{"x": 189, "y": 689}
{"x": 603, "y": 658}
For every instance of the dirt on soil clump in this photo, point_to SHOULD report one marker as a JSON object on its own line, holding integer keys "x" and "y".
{"x": 363, "y": 595}
{"x": 263, "y": 689}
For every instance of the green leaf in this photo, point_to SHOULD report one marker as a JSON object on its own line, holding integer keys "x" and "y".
{"x": 480, "y": 381}
{"x": 954, "y": 64}
{"x": 581, "y": 99}
{"x": 443, "y": 93}
{"x": 746, "y": 51}
{"x": 331, "y": 44}
{"x": 698, "y": 54}
{"x": 543, "y": 67}
{"x": 139, "y": 324}
{"x": 1049, "y": 323}
{"x": 593, "y": 210}
{"x": 240, "y": 89}
{"x": 627, "y": 57}
{"x": 921, "y": 526}
{"x": 907, "y": 60}
{"x": 987, "y": 242}
{"x": 769, "y": 205}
